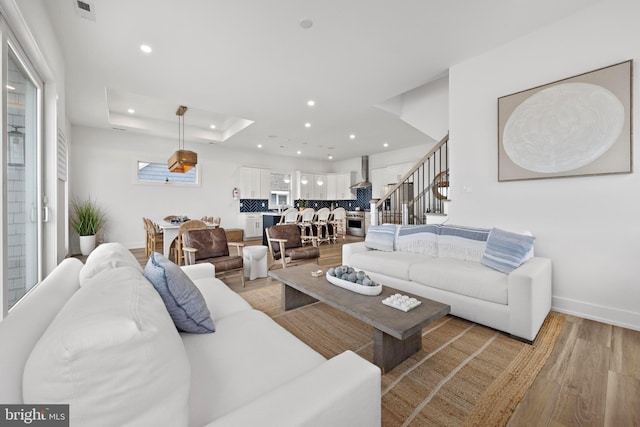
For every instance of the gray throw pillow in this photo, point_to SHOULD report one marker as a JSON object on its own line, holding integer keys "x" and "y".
{"x": 183, "y": 300}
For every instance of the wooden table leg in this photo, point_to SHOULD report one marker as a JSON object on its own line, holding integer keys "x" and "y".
{"x": 293, "y": 298}
{"x": 389, "y": 352}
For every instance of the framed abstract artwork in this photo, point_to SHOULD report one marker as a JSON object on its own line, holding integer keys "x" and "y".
{"x": 577, "y": 126}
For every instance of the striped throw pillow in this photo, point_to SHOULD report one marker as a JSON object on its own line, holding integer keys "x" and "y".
{"x": 506, "y": 251}
{"x": 381, "y": 237}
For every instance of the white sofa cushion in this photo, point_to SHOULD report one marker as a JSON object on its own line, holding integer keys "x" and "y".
{"x": 248, "y": 356}
{"x": 395, "y": 264}
{"x": 113, "y": 354}
{"x": 106, "y": 257}
{"x": 220, "y": 300}
{"x": 462, "y": 277}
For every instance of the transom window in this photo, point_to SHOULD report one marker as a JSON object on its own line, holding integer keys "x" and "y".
{"x": 150, "y": 172}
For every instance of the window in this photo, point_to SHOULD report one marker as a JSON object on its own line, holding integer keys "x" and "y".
{"x": 280, "y": 190}
{"x": 279, "y": 198}
{"x": 149, "y": 172}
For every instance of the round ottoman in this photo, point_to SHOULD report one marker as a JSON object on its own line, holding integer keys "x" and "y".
{"x": 255, "y": 261}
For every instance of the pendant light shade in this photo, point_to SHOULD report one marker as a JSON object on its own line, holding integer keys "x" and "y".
{"x": 182, "y": 160}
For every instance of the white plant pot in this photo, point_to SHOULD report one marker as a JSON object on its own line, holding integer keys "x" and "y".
{"x": 87, "y": 244}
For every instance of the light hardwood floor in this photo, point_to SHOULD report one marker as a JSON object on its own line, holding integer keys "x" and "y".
{"x": 592, "y": 377}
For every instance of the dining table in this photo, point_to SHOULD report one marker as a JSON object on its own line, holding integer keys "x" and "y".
{"x": 170, "y": 233}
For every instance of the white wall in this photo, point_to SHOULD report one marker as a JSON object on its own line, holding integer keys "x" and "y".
{"x": 391, "y": 157}
{"x": 103, "y": 166}
{"x": 427, "y": 108}
{"x": 588, "y": 226}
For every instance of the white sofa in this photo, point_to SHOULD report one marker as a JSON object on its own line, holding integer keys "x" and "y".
{"x": 446, "y": 263}
{"x": 99, "y": 338}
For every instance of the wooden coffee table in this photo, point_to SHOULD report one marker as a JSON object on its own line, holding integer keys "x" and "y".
{"x": 396, "y": 335}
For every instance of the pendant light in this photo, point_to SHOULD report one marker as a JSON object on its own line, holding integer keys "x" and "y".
{"x": 182, "y": 160}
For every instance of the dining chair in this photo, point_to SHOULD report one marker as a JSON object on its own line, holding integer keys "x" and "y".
{"x": 154, "y": 236}
{"x": 211, "y": 245}
{"x": 187, "y": 225}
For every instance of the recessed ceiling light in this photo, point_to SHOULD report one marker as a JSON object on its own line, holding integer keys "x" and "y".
{"x": 311, "y": 103}
{"x": 131, "y": 111}
{"x": 307, "y": 125}
{"x": 305, "y": 24}
{"x": 352, "y": 136}
{"x": 145, "y": 48}
{"x": 259, "y": 145}
{"x": 330, "y": 156}
{"x": 299, "y": 152}
{"x": 212, "y": 126}
{"x": 386, "y": 144}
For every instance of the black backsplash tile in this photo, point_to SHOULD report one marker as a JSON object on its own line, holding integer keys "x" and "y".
{"x": 363, "y": 196}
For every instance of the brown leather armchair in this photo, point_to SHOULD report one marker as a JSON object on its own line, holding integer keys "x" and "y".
{"x": 210, "y": 245}
{"x": 285, "y": 238}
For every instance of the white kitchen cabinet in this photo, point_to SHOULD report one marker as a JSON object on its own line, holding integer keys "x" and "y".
{"x": 382, "y": 177}
{"x": 343, "y": 187}
{"x": 378, "y": 181}
{"x": 255, "y": 183}
{"x": 265, "y": 184}
{"x": 332, "y": 189}
{"x": 335, "y": 186}
{"x": 396, "y": 172}
{"x": 303, "y": 188}
{"x": 319, "y": 187}
{"x": 251, "y": 223}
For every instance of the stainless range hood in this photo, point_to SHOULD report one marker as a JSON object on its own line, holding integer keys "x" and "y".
{"x": 364, "y": 170}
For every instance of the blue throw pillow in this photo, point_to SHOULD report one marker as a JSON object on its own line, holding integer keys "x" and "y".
{"x": 506, "y": 251}
{"x": 381, "y": 237}
{"x": 183, "y": 300}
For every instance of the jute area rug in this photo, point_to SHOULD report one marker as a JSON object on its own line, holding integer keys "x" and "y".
{"x": 465, "y": 375}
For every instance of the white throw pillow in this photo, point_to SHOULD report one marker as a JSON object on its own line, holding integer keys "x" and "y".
{"x": 106, "y": 257}
{"x": 113, "y": 354}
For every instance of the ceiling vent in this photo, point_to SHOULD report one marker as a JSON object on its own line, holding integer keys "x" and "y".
{"x": 85, "y": 9}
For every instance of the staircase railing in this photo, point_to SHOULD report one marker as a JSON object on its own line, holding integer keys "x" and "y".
{"x": 421, "y": 191}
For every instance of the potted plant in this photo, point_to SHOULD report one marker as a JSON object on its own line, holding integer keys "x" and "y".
{"x": 86, "y": 220}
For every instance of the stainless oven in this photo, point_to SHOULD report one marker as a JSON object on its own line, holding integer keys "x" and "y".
{"x": 355, "y": 223}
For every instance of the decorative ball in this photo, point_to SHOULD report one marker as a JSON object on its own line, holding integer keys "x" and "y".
{"x": 331, "y": 272}
{"x": 352, "y": 277}
{"x": 361, "y": 275}
{"x": 367, "y": 282}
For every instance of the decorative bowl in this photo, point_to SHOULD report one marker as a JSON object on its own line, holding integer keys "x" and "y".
{"x": 361, "y": 289}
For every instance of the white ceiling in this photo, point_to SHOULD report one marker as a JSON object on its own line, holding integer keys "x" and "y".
{"x": 251, "y": 60}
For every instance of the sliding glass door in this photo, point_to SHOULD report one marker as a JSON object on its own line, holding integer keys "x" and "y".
{"x": 22, "y": 209}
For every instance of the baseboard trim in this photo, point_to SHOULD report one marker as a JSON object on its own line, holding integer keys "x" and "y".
{"x": 599, "y": 313}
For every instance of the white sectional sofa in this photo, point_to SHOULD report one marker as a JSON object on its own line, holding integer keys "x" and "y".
{"x": 487, "y": 276}
{"x": 100, "y": 338}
